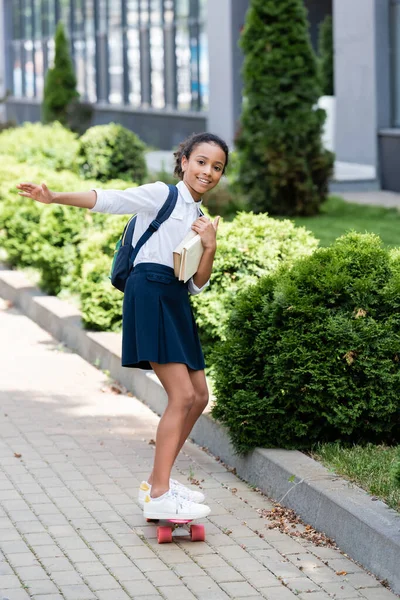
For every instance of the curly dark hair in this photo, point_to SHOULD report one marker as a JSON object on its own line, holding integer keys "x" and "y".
{"x": 187, "y": 146}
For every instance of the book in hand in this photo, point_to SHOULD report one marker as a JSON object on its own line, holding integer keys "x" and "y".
{"x": 187, "y": 256}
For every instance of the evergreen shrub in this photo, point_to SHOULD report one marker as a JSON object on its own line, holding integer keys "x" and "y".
{"x": 396, "y": 472}
{"x": 50, "y": 146}
{"x": 248, "y": 247}
{"x": 284, "y": 169}
{"x": 312, "y": 353}
{"x": 101, "y": 303}
{"x": 60, "y": 83}
{"x": 326, "y": 56}
{"x": 47, "y": 238}
{"x": 110, "y": 152}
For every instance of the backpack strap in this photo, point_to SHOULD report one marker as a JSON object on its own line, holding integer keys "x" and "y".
{"x": 162, "y": 216}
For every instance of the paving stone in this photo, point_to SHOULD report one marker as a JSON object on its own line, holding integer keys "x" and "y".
{"x": 31, "y": 573}
{"x": 16, "y": 594}
{"x": 139, "y": 588}
{"x": 10, "y": 535}
{"x": 211, "y": 560}
{"x": 34, "y": 527}
{"x": 41, "y": 586}
{"x": 377, "y": 594}
{"x": 77, "y": 592}
{"x": 13, "y": 547}
{"x": 85, "y": 555}
{"x": 362, "y": 580}
{"x": 188, "y": 569}
{"x": 315, "y": 596}
{"x": 245, "y": 565}
{"x": 323, "y": 575}
{"x": 163, "y": 578}
{"x": 150, "y": 564}
{"x": 280, "y": 593}
{"x": 103, "y": 548}
{"x": 48, "y": 597}
{"x": 302, "y": 584}
{"x": 112, "y": 595}
{"x": 224, "y": 574}
{"x": 262, "y": 579}
{"x": 56, "y": 564}
{"x": 243, "y": 589}
{"x": 101, "y": 582}
{"x": 117, "y": 560}
{"x": 341, "y": 590}
{"x": 49, "y": 551}
{"x": 201, "y": 584}
{"x": 70, "y": 577}
{"x": 8, "y": 581}
{"x": 343, "y": 564}
{"x": 27, "y": 559}
{"x": 177, "y": 593}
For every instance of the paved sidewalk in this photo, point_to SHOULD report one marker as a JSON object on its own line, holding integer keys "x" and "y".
{"x": 374, "y": 198}
{"x": 72, "y": 454}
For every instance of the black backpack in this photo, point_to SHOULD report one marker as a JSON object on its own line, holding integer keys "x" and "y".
{"x": 125, "y": 253}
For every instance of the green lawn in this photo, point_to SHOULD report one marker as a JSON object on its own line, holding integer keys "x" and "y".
{"x": 369, "y": 467}
{"x": 337, "y": 217}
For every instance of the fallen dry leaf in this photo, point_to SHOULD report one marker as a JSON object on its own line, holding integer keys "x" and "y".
{"x": 17, "y": 455}
{"x": 286, "y": 521}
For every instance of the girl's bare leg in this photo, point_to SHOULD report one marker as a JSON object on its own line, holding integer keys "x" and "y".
{"x": 176, "y": 381}
{"x": 199, "y": 384}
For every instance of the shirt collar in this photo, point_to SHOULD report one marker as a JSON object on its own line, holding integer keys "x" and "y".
{"x": 186, "y": 195}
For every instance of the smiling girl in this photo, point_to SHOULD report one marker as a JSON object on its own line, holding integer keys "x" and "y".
{"x": 159, "y": 331}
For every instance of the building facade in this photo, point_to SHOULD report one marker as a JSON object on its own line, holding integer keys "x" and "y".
{"x": 167, "y": 68}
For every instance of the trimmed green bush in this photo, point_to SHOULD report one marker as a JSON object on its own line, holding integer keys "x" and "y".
{"x": 50, "y": 146}
{"x": 396, "y": 473}
{"x": 47, "y": 238}
{"x": 110, "y": 152}
{"x": 326, "y": 56}
{"x": 284, "y": 169}
{"x": 248, "y": 247}
{"x": 60, "y": 83}
{"x": 312, "y": 353}
{"x": 101, "y": 303}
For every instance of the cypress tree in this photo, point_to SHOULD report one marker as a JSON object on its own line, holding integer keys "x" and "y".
{"x": 60, "y": 85}
{"x": 284, "y": 169}
{"x": 325, "y": 48}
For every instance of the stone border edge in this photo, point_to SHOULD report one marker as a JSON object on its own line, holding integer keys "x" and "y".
{"x": 365, "y": 529}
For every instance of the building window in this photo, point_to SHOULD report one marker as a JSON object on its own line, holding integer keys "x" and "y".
{"x": 395, "y": 20}
{"x": 149, "y": 54}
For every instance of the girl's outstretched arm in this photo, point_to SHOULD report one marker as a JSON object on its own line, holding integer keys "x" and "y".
{"x": 41, "y": 193}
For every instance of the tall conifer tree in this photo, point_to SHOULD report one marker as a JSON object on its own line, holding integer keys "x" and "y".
{"x": 60, "y": 85}
{"x": 284, "y": 169}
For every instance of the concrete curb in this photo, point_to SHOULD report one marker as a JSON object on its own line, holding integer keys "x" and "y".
{"x": 366, "y": 530}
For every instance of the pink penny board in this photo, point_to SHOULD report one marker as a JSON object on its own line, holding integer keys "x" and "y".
{"x": 164, "y": 532}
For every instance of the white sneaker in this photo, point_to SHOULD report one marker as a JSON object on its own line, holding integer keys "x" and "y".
{"x": 171, "y": 506}
{"x": 184, "y": 492}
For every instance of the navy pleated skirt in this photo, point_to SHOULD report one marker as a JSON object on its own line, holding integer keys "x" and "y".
{"x": 158, "y": 323}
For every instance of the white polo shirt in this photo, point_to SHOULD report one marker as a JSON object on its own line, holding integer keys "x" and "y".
{"x": 146, "y": 200}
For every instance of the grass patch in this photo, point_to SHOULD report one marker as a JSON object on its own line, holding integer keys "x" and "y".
{"x": 337, "y": 217}
{"x": 370, "y": 467}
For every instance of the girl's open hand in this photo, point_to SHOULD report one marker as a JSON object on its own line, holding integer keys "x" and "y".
{"x": 40, "y": 193}
{"x": 207, "y": 230}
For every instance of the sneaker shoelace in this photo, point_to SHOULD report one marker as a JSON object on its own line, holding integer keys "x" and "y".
{"x": 180, "y": 488}
{"x": 179, "y": 501}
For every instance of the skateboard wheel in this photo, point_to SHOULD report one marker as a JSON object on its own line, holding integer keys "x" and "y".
{"x": 197, "y": 533}
{"x": 164, "y": 535}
